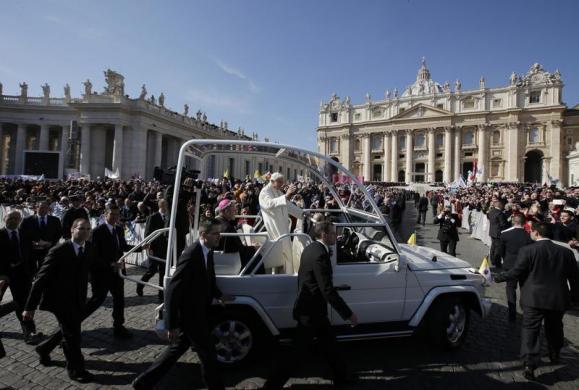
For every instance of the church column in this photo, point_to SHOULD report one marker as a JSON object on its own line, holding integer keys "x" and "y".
{"x": 447, "y": 171}
{"x": 118, "y": 149}
{"x": 345, "y": 151}
{"x": 387, "y": 157}
{"x": 556, "y": 166}
{"x": 482, "y": 152}
{"x": 457, "y": 152}
{"x": 394, "y": 157}
{"x": 63, "y": 149}
{"x": 85, "y": 149}
{"x": 409, "y": 150}
{"x": 43, "y": 140}
{"x": 20, "y": 144}
{"x": 513, "y": 152}
{"x": 140, "y": 152}
{"x": 431, "y": 155}
{"x": 366, "y": 157}
{"x": 158, "y": 160}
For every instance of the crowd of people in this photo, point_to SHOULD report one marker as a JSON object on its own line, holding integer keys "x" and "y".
{"x": 62, "y": 210}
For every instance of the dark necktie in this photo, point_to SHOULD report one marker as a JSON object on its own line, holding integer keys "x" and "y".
{"x": 80, "y": 251}
{"x": 42, "y": 223}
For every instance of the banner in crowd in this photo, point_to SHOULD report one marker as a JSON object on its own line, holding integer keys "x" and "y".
{"x": 23, "y": 177}
{"x": 112, "y": 175}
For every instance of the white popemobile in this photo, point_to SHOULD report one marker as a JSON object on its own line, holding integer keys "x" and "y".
{"x": 396, "y": 290}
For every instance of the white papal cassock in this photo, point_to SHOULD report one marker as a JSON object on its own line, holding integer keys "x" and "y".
{"x": 275, "y": 211}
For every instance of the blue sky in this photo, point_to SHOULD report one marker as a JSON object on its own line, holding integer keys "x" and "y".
{"x": 265, "y": 65}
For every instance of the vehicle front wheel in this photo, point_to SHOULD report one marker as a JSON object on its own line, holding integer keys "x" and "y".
{"x": 448, "y": 321}
{"x": 236, "y": 336}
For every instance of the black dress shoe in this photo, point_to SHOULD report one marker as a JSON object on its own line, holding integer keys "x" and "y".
{"x": 33, "y": 338}
{"x": 529, "y": 373}
{"x": 43, "y": 357}
{"x": 81, "y": 376}
{"x": 140, "y": 288}
{"x": 120, "y": 332}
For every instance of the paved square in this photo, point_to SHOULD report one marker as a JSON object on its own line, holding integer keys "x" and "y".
{"x": 488, "y": 359}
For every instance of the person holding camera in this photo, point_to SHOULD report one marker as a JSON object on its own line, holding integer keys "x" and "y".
{"x": 448, "y": 231}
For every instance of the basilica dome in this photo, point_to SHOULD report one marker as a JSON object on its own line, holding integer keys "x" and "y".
{"x": 423, "y": 85}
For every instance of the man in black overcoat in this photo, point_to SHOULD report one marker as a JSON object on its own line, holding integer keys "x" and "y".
{"x": 549, "y": 280}
{"x": 188, "y": 298}
{"x": 315, "y": 292}
{"x": 512, "y": 240}
{"x": 60, "y": 287}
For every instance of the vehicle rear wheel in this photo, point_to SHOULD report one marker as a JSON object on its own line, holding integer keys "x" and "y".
{"x": 448, "y": 322}
{"x": 236, "y": 336}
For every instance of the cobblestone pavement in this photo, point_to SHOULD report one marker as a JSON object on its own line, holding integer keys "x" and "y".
{"x": 488, "y": 359}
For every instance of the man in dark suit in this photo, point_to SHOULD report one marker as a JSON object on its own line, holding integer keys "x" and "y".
{"x": 74, "y": 212}
{"x": 109, "y": 242}
{"x": 497, "y": 223}
{"x": 511, "y": 241}
{"x": 315, "y": 291}
{"x": 60, "y": 287}
{"x": 422, "y": 208}
{"x": 158, "y": 248}
{"x": 15, "y": 264}
{"x": 448, "y": 231}
{"x": 545, "y": 272}
{"x": 188, "y": 298}
{"x": 42, "y": 232}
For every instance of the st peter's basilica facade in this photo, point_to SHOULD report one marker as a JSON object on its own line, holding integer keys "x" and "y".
{"x": 522, "y": 132}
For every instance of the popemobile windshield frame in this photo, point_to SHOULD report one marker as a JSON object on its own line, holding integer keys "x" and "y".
{"x": 199, "y": 149}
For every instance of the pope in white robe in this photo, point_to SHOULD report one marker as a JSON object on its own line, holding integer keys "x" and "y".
{"x": 275, "y": 210}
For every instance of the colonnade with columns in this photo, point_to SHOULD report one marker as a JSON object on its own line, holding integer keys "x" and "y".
{"x": 447, "y": 156}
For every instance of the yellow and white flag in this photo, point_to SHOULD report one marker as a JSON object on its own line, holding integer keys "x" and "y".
{"x": 412, "y": 239}
{"x": 226, "y": 173}
{"x": 485, "y": 270}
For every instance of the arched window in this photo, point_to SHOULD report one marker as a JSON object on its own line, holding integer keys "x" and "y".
{"x": 419, "y": 140}
{"x": 357, "y": 145}
{"x": 496, "y": 137}
{"x": 468, "y": 137}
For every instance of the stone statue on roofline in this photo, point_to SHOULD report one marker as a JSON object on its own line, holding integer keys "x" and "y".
{"x": 67, "y": 91}
{"x": 198, "y": 115}
{"x": 162, "y": 99}
{"x": 1, "y": 88}
{"x": 87, "y": 88}
{"x": 115, "y": 83}
{"x": 395, "y": 92}
{"x": 143, "y": 92}
{"x": 513, "y": 79}
{"x": 387, "y": 94}
{"x": 204, "y": 117}
{"x": 152, "y": 99}
{"x": 446, "y": 87}
{"x": 23, "y": 89}
{"x": 482, "y": 82}
{"x": 46, "y": 90}
{"x": 186, "y": 109}
{"x": 457, "y": 85}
